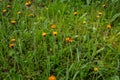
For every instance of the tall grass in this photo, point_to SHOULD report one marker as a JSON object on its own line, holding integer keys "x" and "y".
{"x": 85, "y": 47}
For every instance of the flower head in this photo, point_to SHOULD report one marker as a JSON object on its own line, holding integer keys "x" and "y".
{"x": 55, "y": 33}
{"x": 8, "y": 6}
{"x": 13, "y": 40}
{"x": 100, "y": 13}
{"x": 84, "y": 22}
{"x": 108, "y": 26}
{"x": 52, "y": 77}
{"x": 12, "y": 21}
{"x": 69, "y": 39}
{"x": 104, "y": 5}
{"x": 4, "y": 11}
{"x": 95, "y": 69}
{"x": 75, "y": 13}
{"x": 97, "y": 16}
{"x": 44, "y": 34}
{"x": 53, "y": 26}
{"x": 11, "y": 45}
{"x": 19, "y": 12}
{"x": 31, "y": 15}
{"x": 28, "y": 3}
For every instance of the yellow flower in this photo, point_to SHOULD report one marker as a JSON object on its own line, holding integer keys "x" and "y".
{"x": 8, "y": 6}
{"x": 44, "y": 34}
{"x": 53, "y": 26}
{"x": 55, "y": 33}
{"x": 4, "y": 11}
{"x": 103, "y": 5}
{"x": 46, "y": 8}
{"x": 99, "y": 13}
{"x": 12, "y": 21}
{"x": 108, "y": 26}
{"x": 75, "y": 13}
{"x": 95, "y": 69}
{"x": 11, "y": 45}
{"x": 13, "y": 40}
{"x": 31, "y": 15}
{"x": 97, "y": 16}
{"x": 69, "y": 39}
{"x": 84, "y": 22}
{"x": 28, "y": 3}
{"x": 52, "y": 77}
{"x": 19, "y": 12}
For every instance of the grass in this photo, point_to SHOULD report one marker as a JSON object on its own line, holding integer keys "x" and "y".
{"x": 84, "y": 45}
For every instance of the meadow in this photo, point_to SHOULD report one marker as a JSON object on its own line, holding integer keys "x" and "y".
{"x": 59, "y": 40}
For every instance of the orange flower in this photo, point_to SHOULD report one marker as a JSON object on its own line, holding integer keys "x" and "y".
{"x": 12, "y": 21}
{"x": 69, "y": 39}
{"x": 53, "y": 26}
{"x": 108, "y": 26}
{"x": 8, "y": 6}
{"x": 55, "y": 33}
{"x": 4, "y": 11}
{"x": 75, "y": 13}
{"x": 19, "y": 12}
{"x": 44, "y": 34}
{"x": 31, "y": 15}
{"x": 52, "y": 77}
{"x": 13, "y": 40}
{"x": 28, "y": 3}
{"x": 95, "y": 69}
{"x": 11, "y": 45}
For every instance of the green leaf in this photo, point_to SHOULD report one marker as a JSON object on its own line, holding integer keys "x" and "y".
{"x": 114, "y": 17}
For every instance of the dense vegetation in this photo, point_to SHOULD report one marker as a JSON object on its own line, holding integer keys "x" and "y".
{"x": 59, "y": 40}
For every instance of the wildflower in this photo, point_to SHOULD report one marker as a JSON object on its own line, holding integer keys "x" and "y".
{"x": 100, "y": 13}
{"x": 4, "y": 11}
{"x": 95, "y": 69}
{"x": 46, "y": 8}
{"x": 12, "y": 21}
{"x": 52, "y": 77}
{"x": 28, "y": 3}
{"x": 11, "y": 45}
{"x": 31, "y": 15}
{"x": 69, "y": 39}
{"x": 19, "y": 12}
{"x": 75, "y": 13}
{"x": 97, "y": 16}
{"x": 103, "y": 5}
{"x": 44, "y": 34}
{"x": 108, "y": 26}
{"x": 53, "y": 26}
{"x": 55, "y": 33}
{"x": 13, "y": 40}
{"x": 84, "y": 22}
{"x": 8, "y": 6}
